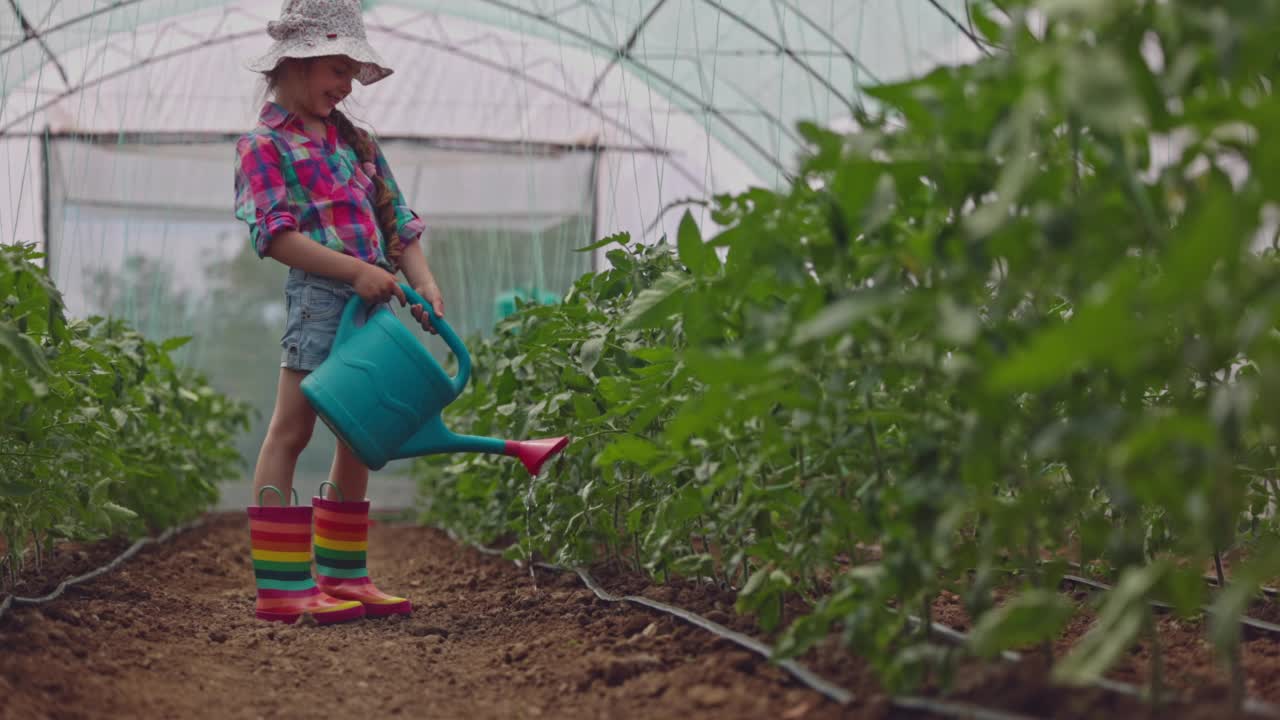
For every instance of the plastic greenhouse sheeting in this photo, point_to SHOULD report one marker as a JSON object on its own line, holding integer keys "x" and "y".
{"x": 718, "y": 85}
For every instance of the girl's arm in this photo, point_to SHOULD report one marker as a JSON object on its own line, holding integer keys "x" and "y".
{"x": 413, "y": 260}
{"x": 417, "y": 272}
{"x": 370, "y": 282}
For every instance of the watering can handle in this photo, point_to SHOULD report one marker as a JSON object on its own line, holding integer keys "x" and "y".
{"x": 450, "y": 337}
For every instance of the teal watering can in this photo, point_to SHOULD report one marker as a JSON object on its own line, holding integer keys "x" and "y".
{"x": 381, "y": 392}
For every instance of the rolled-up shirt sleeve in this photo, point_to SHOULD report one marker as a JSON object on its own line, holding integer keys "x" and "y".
{"x": 409, "y": 226}
{"x": 262, "y": 200}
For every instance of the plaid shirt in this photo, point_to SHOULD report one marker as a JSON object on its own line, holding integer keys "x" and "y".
{"x": 287, "y": 180}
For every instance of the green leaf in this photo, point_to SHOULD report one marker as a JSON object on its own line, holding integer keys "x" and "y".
{"x": 840, "y": 316}
{"x": 1089, "y": 336}
{"x": 959, "y": 325}
{"x": 699, "y": 257}
{"x": 991, "y": 30}
{"x": 755, "y": 582}
{"x": 584, "y": 408}
{"x": 615, "y": 389}
{"x": 627, "y": 448}
{"x": 174, "y": 343}
{"x": 655, "y": 304}
{"x": 1084, "y": 11}
{"x": 24, "y": 348}
{"x": 686, "y": 505}
{"x": 591, "y": 349}
{"x": 118, "y": 512}
{"x": 697, "y": 415}
{"x": 654, "y": 354}
{"x": 1242, "y": 589}
{"x": 1029, "y": 618}
{"x": 621, "y": 238}
{"x": 1118, "y": 624}
{"x": 1099, "y": 87}
{"x": 17, "y": 488}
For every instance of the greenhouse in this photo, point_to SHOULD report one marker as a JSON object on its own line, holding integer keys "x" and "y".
{"x": 520, "y": 133}
{"x": 912, "y": 348}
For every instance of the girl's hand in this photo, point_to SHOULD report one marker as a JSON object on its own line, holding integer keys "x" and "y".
{"x": 375, "y": 285}
{"x": 431, "y": 293}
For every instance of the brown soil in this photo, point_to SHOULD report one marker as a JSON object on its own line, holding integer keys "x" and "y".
{"x": 1190, "y": 666}
{"x": 171, "y": 634}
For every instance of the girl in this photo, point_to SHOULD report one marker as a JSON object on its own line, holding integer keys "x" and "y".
{"x": 318, "y": 196}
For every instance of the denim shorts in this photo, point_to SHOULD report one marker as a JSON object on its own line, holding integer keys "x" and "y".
{"x": 314, "y": 306}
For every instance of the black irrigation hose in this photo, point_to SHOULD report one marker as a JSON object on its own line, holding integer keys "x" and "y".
{"x": 1209, "y": 579}
{"x": 1268, "y": 591}
{"x": 11, "y": 600}
{"x": 1256, "y": 624}
{"x": 804, "y": 675}
{"x": 1252, "y": 706}
{"x": 801, "y": 673}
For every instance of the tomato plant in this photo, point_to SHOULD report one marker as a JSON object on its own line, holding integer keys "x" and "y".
{"x": 1024, "y": 315}
{"x": 100, "y": 431}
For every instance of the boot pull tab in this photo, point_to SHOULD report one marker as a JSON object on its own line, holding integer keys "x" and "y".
{"x": 283, "y": 502}
{"x": 336, "y": 489}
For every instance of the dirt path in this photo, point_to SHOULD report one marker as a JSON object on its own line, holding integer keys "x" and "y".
{"x": 172, "y": 634}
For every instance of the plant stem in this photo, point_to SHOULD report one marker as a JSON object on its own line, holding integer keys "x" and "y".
{"x": 875, "y": 443}
{"x": 706, "y": 548}
{"x": 1217, "y": 566}
{"x": 598, "y": 433}
{"x": 1157, "y": 663}
{"x": 1075, "y": 156}
{"x": 617, "y": 534}
{"x": 41, "y": 456}
{"x": 635, "y": 552}
{"x": 1237, "y": 681}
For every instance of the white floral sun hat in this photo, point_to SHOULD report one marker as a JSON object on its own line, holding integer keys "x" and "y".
{"x": 315, "y": 28}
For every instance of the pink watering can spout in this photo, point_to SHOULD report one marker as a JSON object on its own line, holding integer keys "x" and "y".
{"x": 533, "y": 453}
{"x": 382, "y": 393}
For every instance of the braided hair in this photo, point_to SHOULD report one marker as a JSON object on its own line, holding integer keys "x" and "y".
{"x": 383, "y": 206}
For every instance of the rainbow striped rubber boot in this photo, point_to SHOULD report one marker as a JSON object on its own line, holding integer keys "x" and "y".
{"x": 281, "y": 542}
{"x": 341, "y": 545}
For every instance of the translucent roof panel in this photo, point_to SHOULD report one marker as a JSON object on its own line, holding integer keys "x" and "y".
{"x": 745, "y": 70}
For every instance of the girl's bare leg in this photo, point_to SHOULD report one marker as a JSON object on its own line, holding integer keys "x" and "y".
{"x": 287, "y": 436}
{"x": 349, "y": 474}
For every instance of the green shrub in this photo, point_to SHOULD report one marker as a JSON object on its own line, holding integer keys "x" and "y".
{"x": 100, "y": 432}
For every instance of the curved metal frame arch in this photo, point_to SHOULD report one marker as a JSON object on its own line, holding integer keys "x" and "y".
{"x": 86, "y": 84}
{"x": 646, "y": 71}
{"x": 618, "y": 55}
{"x": 28, "y": 37}
{"x": 625, "y": 49}
{"x": 29, "y": 33}
{"x": 645, "y": 143}
{"x": 835, "y": 42}
{"x": 544, "y": 19}
{"x": 650, "y": 144}
{"x": 760, "y": 33}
